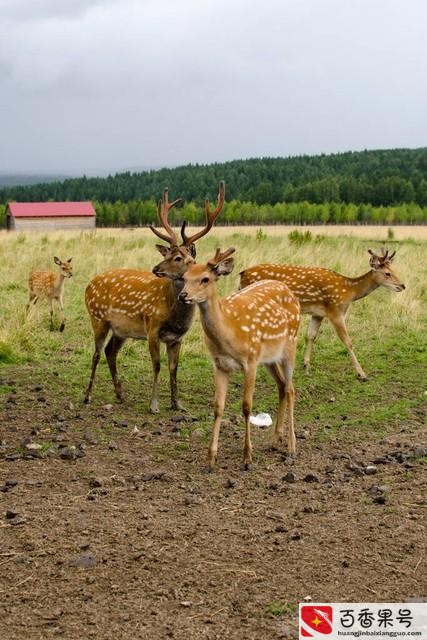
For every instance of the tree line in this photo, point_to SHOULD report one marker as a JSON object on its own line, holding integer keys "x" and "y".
{"x": 387, "y": 186}
{"x": 143, "y": 212}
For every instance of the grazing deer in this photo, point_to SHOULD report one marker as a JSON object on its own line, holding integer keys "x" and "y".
{"x": 257, "y": 325}
{"x": 327, "y": 294}
{"x": 50, "y": 285}
{"x": 132, "y": 303}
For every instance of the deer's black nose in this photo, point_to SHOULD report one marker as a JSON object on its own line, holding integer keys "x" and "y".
{"x": 157, "y": 271}
{"x": 182, "y": 295}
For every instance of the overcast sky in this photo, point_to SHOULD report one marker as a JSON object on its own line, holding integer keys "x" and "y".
{"x": 88, "y": 85}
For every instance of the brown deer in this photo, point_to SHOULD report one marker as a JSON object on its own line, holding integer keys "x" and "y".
{"x": 50, "y": 285}
{"x": 257, "y": 325}
{"x": 327, "y": 294}
{"x": 131, "y": 303}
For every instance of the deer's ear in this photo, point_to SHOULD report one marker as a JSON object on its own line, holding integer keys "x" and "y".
{"x": 163, "y": 250}
{"x": 375, "y": 262}
{"x": 69, "y": 260}
{"x": 192, "y": 250}
{"x": 224, "y": 267}
{"x": 57, "y": 260}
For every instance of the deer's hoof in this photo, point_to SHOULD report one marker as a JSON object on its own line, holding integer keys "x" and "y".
{"x": 247, "y": 466}
{"x": 290, "y": 457}
{"x": 154, "y": 410}
{"x": 62, "y": 327}
{"x": 177, "y": 406}
{"x": 362, "y": 378}
{"x": 208, "y": 468}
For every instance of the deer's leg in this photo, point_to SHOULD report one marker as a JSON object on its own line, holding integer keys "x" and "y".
{"x": 338, "y": 322}
{"x": 32, "y": 299}
{"x": 173, "y": 358}
{"x": 61, "y": 306}
{"x": 313, "y": 330}
{"x": 101, "y": 331}
{"x": 279, "y": 427}
{"x": 248, "y": 392}
{"x": 288, "y": 366}
{"x": 221, "y": 385}
{"x": 114, "y": 345}
{"x": 51, "y": 313}
{"x": 154, "y": 346}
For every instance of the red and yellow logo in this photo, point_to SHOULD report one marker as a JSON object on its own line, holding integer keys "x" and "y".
{"x": 317, "y": 619}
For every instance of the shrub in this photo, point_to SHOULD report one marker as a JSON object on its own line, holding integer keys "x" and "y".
{"x": 7, "y": 355}
{"x": 300, "y": 237}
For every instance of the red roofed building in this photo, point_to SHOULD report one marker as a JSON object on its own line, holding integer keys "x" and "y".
{"x": 48, "y": 216}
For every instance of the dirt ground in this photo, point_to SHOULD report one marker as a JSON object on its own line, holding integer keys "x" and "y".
{"x": 108, "y": 531}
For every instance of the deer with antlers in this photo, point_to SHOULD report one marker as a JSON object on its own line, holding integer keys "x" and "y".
{"x": 257, "y": 325}
{"x": 49, "y": 285}
{"x": 326, "y": 294}
{"x": 131, "y": 303}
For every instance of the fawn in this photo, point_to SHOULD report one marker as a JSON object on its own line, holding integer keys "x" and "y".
{"x": 50, "y": 285}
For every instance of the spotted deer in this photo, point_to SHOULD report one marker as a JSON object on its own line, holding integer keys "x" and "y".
{"x": 326, "y": 294}
{"x": 144, "y": 305}
{"x": 50, "y": 285}
{"x": 257, "y": 325}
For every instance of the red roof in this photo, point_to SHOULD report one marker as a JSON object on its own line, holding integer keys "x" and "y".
{"x": 50, "y": 209}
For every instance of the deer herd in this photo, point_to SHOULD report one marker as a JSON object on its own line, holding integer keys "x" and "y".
{"x": 258, "y": 324}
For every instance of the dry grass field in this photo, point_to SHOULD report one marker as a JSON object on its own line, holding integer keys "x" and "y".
{"x": 378, "y": 233}
{"x": 110, "y": 529}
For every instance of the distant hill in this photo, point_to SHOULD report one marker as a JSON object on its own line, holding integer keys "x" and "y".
{"x": 23, "y": 179}
{"x": 378, "y": 177}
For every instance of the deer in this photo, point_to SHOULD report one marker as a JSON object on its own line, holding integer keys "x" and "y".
{"x": 144, "y": 305}
{"x": 326, "y": 294}
{"x": 256, "y": 325}
{"x": 50, "y": 285}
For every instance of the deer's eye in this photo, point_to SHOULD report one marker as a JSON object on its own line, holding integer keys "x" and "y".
{"x": 387, "y": 274}
{"x": 204, "y": 280}
{"x": 178, "y": 259}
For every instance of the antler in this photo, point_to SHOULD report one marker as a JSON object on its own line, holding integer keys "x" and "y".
{"x": 210, "y": 218}
{"x": 163, "y": 209}
{"x": 219, "y": 257}
{"x": 385, "y": 257}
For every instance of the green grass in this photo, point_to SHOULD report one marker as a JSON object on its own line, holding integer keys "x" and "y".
{"x": 278, "y": 610}
{"x": 388, "y": 332}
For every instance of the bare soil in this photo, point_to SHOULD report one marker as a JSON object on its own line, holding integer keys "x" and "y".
{"x": 108, "y": 532}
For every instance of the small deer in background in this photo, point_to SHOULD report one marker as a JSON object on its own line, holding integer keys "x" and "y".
{"x": 326, "y": 294}
{"x": 50, "y": 285}
{"x": 144, "y": 305}
{"x": 257, "y": 325}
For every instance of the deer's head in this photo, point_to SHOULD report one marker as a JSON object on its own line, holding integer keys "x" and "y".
{"x": 179, "y": 257}
{"x": 383, "y": 273}
{"x": 65, "y": 268}
{"x": 199, "y": 280}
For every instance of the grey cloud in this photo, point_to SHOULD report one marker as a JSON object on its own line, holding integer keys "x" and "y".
{"x": 34, "y": 10}
{"x": 129, "y": 83}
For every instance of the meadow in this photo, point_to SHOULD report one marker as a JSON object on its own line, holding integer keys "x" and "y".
{"x": 380, "y": 325}
{"x": 247, "y": 541}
